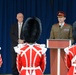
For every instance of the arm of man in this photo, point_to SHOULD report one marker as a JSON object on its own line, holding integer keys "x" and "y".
{"x": 43, "y": 63}
{"x": 52, "y": 33}
{"x": 14, "y": 33}
{"x": 70, "y": 35}
{"x": 18, "y": 61}
{"x": 67, "y": 61}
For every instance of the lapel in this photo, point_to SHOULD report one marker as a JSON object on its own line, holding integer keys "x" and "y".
{"x": 22, "y": 25}
{"x": 16, "y": 29}
{"x": 22, "y": 28}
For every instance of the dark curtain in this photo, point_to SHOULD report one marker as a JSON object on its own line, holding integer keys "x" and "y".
{"x": 68, "y": 6}
{"x": 46, "y": 10}
{"x": 8, "y": 11}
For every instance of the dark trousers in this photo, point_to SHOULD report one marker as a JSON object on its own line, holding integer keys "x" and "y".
{"x": 14, "y": 67}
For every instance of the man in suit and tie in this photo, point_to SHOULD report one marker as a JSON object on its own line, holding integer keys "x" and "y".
{"x": 61, "y": 30}
{"x": 16, "y": 38}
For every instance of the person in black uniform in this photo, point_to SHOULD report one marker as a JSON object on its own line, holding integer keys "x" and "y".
{"x": 16, "y": 38}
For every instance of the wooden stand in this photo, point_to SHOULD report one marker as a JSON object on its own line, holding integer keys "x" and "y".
{"x": 57, "y": 53}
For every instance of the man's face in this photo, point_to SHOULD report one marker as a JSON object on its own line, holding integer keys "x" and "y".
{"x": 61, "y": 19}
{"x": 20, "y": 17}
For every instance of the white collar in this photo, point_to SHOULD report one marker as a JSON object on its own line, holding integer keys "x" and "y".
{"x": 20, "y": 23}
{"x": 62, "y": 24}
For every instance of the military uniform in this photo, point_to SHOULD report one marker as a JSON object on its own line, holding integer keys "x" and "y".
{"x": 61, "y": 33}
{"x": 61, "y": 30}
{"x": 31, "y": 59}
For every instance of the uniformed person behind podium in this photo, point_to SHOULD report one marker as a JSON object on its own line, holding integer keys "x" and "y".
{"x": 61, "y": 30}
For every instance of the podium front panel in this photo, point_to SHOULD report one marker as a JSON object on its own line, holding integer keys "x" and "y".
{"x": 54, "y": 45}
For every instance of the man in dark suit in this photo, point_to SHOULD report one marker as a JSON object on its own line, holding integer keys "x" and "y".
{"x": 16, "y": 38}
{"x": 61, "y": 30}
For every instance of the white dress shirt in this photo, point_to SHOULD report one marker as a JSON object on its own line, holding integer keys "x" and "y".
{"x": 19, "y": 29}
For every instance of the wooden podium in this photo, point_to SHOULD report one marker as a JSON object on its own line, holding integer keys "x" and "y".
{"x": 57, "y": 64}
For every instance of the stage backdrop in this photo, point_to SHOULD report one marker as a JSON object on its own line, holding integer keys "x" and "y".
{"x": 44, "y": 9}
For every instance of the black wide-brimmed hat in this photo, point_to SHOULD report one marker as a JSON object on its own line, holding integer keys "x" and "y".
{"x": 32, "y": 29}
